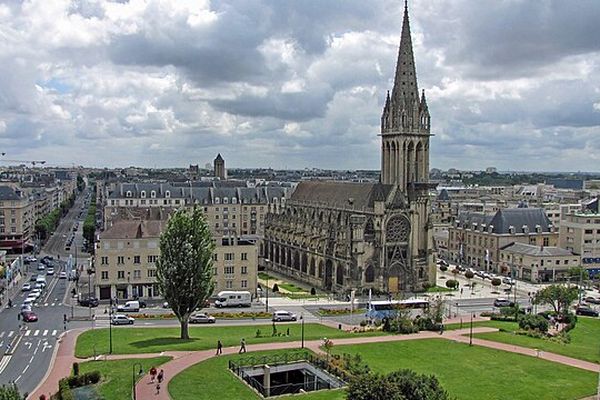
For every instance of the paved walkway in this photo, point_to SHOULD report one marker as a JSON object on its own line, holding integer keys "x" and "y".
{"x": 182, "y": 360}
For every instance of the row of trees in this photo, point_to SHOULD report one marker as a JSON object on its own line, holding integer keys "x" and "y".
{"x": 89, "y": 225}
{"x": 46, "y": 225}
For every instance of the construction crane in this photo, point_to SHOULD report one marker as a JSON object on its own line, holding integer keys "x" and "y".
{"x": 32, "y": 162}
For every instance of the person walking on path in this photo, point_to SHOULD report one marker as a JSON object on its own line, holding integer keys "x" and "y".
{"x": 242, "y": 346}
{"x": 157, "y": 388}
{"x": 219, "y": 347}
{"x": 161, "y": 376}
{"x": 152, "y": 374}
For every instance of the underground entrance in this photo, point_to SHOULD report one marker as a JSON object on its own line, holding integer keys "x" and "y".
{"x": 287, "y": 373}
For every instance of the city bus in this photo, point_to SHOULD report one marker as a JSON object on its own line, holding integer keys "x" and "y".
{"x": 380, "y": 309}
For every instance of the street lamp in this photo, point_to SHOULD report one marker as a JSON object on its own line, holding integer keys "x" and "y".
{"x": 110, "y": 326}
{"x": 471, "y": 332}
{"x": 302, "y": 322}
{"x": 267, "y": 261}
{"x": 141, "y": 371}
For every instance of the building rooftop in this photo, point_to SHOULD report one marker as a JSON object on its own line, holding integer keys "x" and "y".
{"x": 537, "y": 251}
{"x": 134, "y": 229}
{"x": 342, "y": 194}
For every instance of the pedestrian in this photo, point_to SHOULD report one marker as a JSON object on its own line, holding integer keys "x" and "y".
{"x": 18, "y": 316}
{"x": 152, "y": 374}
{"x": 158, "y": 388}
{"x": 219, "y": 347}
{"x": 242, "y": 346}
{"x": 441, "y": 329}
{"x": 161, "y": 376}
{"x": 9, "y": 303}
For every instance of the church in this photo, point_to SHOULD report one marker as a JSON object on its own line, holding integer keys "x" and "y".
{"x": 341, "y": 236}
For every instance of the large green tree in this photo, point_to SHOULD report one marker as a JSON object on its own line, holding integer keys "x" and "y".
{"x": 560, "y": 297}
{"x": 400, "y": 385}
{"x": 10, "y": 392}
{"x": 184, "y": 268}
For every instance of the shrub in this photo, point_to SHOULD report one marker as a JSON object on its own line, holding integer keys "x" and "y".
{"x": 443, "y": 268}
{"x": 363, "y": 323}
{"x": 533, "y": 322}
{"x": 403, "y": 384}
{"x": 75, "y": 368}
{"x": 64, "y": 391}
{"x": 452, "y": 283}
{"x": 570, "y": 319}
{"x": 496, "y": 282}
{"x": 275, "y": 288}
{"x": 469, "y": 274}
{"x": 313, "y": 291}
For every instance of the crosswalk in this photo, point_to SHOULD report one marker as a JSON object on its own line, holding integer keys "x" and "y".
{"x": 30, "y": 333}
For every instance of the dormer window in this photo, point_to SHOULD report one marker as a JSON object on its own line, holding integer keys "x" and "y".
{"x": 217, "y": 200}
{"x": 225, "y": 200}
{"x": 233, "y": 200}
{"x": 128, "y": 194}
{"x": 153, "y": 194}
{"x": 143, "y": 194}
{"x": 168, "y": 194}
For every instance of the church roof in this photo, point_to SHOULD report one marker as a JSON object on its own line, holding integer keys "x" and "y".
{"x": 341, "y": 194}
{"x": 219, "y": 158}
{"x": 405, "y": 81}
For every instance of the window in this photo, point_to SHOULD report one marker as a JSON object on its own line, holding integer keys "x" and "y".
{"x": 136, "y": 259}
{"x": 137, "y": 274}
{"x": 215, "y": 257}
{"x": 214, "y": 270}
{"x": 104, "y": 275}
{"x": 13, "y": 230}
{"x": 142, "y": 202}
{"x": 153, "y": 194}
{"x": 120, "y": 274}
{"x": 229, "y": 284}
{"x": 229, "y": 257}
{"x": 168, "y": 194}
{"x": 120, "y": 260}
{"x": 143, "y": 193}
{"x": 151, "y": 273}
{"x": 244, "y": 256}
{"x": 546, "y": 241}
{"x": 104, "y": 260}
{"x": 244, "y": 270}
{"x": 589, "y": 231}
{"x": 229, "y": 270}
{"x": 152, "y": 259}
{"x": 244, "y": 284}
{"x": 128, "y": 193}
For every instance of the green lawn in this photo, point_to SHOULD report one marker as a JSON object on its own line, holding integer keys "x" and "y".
{"x": 438, "y": 289}
{"x": 265, "y": 276}
{"x": 290, "y": 287}
{"x": 584, "y": 345}
{"x": 153, "y": 340}
{"x": 211, "y": 380}
{"x": 506, "y": 325}
{"x": 116, "y": 374}
{"x": 475, "y": 373}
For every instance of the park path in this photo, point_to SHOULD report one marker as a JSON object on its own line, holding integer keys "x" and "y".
{"x": 181, "y": 360}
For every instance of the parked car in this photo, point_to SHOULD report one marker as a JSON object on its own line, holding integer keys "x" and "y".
{"x": 592, "y": 300}
{"x": 26, "y": 287}
{"x": 29, "y": 316}
{"x": 30, "y": 259}
{"x": 50, "y": 271}
{"x": 121, "y": 319}
{"x": 40, "y": 285}
{"x": 508, "y": 280}
{"x": 62, "y": 275}
{"x": 587, "y": 311}
{"x": 35, "y": 294}
{"x": 88, "y": 302}
{"x": 279, "y": 316}
{"x": 502, "y": 302}
{"x": 131, "y": 306}
{"x": 202, "y": 318}
{"x": 41, "y": 267}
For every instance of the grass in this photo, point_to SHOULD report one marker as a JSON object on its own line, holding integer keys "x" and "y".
{"x": 503, "y": 325}
{"x": 265, "y": 276}
{"x": 329, "y": 312}
{"x": 116, "y": 374}
{"x": 438, "y": 289}
{"x": 290, "y": 287}
{"x": 153, "y": 340}
{"x": 210, "y": 380}
{"x": 584, "y": 345}
{"x": 474, "y": 373}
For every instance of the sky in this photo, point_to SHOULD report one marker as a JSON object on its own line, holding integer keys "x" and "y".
{"x": 513, "y": 84}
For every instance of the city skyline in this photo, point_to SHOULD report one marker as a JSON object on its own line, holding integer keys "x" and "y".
{"x": 302, "y": 85}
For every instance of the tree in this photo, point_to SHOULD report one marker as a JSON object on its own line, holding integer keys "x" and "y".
{"x": 560, "y": 297}
{"x": 469, "y": 274}
{"x": 400, "y": 385}
{"x": 184, "y": 267}
{"x": 452, "y": 284}
{"x": 10, "y": 392}
{"x": 496, "y": 282}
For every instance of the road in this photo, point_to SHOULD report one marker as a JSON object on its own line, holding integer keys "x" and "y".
{"x": 26, "y": 348}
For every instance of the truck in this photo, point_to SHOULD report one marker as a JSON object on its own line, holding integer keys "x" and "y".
{"x": 228, "y": 298}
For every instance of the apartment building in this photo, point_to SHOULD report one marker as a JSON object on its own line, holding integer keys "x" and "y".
{"x": 580, "y": 233}
{"x": 475, "y": 239}
{"x": 537, "y": 263}
{"x": 126, "y": 255}
{"x": 17, "y": 218}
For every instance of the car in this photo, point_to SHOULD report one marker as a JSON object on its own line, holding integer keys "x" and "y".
{"x": 36, "y": 291}
{"x": 592, "y": 300}
{"x": 34, "y": 295}
{"x": 46, "y": 259}
{"x": 25, "y": 307}
{"x": 32, "y": 278}
{"x": 30, "y": 259}
{"x": 40, "y": 285}
{"x": 121, "y": 319}
{"x": 502, "y": 302}
{"x": 29, "y": 316}
{"x": 26, "y": 287}
{"x": 279, "y": 316}
{"x": 50, "y": 271}
{"x": 201, "y": 318}
{"x": 30, "y": 300}
{"x": 68, "y": 247}
{"x": 89, "y": 302}
{"x": 508, "y": 280}
{"x": 41, "y": 267}
{"x": 587, "y": 311}
{"x": 62, "y": 275}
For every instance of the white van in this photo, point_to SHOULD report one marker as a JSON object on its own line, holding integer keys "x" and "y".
{"x": 132, "y": 306}
{"x": 233, "y": 299}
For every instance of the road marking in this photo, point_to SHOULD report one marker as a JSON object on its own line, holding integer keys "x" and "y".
{"x": 45, "y": 332}
{"x": 1, "y": 334}
{"x": 18, "y": 377}
{"x": 10, "y": 334}
{"x": 45, "y": 304}
{"x": 25, "y": 369}
{"x": 54, "y": 332}
{"x": 4, "y": 362}
{"x": 27, "y": 332}
{"x": 52, "y": 305}
{"x": 36, "y": 332}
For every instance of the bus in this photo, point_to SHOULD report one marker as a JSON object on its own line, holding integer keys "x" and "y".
{"x": 378, "y": 310}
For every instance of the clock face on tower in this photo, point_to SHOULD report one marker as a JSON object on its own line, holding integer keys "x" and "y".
{"x": 397, "y": 229}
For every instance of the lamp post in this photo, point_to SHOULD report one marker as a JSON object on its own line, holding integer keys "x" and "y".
{"x": 110, "y": 327}
{"x": 471, "y": 332}
{"x": 302, "y": 324}
{"x": 267, "y": 261}
{"x": 141, "y": 371}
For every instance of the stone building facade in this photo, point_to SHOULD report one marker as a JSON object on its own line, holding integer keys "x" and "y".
{"x": 341, "y": 236}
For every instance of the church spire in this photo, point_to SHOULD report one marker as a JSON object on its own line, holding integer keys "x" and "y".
{"x": 405, "y": 82}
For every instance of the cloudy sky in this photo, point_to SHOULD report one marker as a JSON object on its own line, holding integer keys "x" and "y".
{"x": 296, "y": 83}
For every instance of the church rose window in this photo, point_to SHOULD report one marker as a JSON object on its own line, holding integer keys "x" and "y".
{"x": 397, "y": 229}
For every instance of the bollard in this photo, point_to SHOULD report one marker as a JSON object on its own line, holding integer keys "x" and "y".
{"x": 340, "y": 327}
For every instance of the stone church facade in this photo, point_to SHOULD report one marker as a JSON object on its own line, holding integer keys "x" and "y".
{"x": 341, "y": 236}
